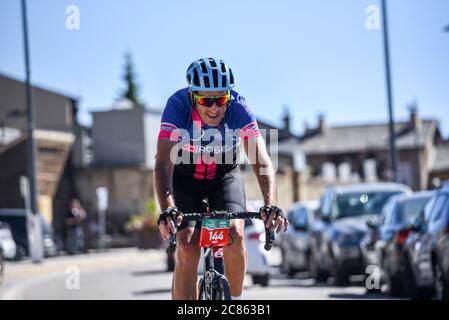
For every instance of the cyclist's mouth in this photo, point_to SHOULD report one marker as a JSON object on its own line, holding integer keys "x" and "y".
{"x": 212, "y": 115}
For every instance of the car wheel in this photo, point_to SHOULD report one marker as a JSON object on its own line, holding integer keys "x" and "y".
{"x": 314, "y": 270}
{"x": 2, "y": 269}
{"x": 411, "y": 290}
{"x": 262, "y": 279}
{"x": 285, "y": 265}
{"x": 341, "y": 277}
{"x": 441, "y": 283}
{"x": 20, "y": 253}
{"x": 394, "y": 285}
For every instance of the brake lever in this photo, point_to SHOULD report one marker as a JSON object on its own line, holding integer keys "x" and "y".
{"x": 269, "y": 235}
{"x": 172, "y": 244}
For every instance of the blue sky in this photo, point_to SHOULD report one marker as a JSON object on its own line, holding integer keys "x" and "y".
{"x": 314, "y": 56}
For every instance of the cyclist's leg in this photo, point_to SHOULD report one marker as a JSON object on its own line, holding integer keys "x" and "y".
{"x": 187, "y": 256}
{"x": 184, "y": 285}
{"x": 230, "y": 196}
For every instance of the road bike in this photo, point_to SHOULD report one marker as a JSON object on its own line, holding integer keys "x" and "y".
{"x": 214, "y": 237}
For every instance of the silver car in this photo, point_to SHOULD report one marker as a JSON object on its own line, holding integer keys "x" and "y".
{"x": 7, "y": 242}
{"x": 295, "y": 244}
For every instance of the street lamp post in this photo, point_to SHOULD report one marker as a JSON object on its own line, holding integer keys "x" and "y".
{"x": 393, "y": 150}
{"x": 33, "y": 222}
{"x": 31, "y": 117}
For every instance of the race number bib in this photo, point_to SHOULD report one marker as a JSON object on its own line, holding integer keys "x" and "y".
{"x": 214, "y": 232}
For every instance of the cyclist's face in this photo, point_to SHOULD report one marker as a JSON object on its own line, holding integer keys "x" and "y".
{"x": 213, "y": 115}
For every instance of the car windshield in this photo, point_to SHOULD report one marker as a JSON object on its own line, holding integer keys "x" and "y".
{"x": 360, "y": 203}
{"x": 411, "y": 208}
{"x": 300, "y": 217}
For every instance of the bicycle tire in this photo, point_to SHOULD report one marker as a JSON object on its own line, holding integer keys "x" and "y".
{"x": 201, "y": 295}
{"x": 222, "y": 289}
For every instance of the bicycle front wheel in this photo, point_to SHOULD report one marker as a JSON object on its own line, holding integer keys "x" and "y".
{"x": 201, "y": 292}
{"x": 222, "y": 289}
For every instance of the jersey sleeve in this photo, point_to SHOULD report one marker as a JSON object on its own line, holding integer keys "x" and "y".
{"x": 173, "y": 119}
{"x": 244, "y": 119}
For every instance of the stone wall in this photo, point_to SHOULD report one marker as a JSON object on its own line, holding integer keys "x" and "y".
{"x": 128, "y": 187}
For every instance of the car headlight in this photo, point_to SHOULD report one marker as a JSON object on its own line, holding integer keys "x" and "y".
{"x": 299, "y": 243}
{"x": 5, "y": 234}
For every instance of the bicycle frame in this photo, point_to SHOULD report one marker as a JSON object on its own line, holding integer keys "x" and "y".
{"x": 213, "y": 270}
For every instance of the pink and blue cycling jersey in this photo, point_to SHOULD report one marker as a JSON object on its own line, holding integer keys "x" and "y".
{"x": 206, "y": 152}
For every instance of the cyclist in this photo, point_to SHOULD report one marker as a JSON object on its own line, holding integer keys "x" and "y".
{"x": 197, "y": 154}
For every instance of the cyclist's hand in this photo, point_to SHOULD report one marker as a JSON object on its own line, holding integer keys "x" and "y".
{"x": 274, "y": 218}
{"x": 166, "y": 224}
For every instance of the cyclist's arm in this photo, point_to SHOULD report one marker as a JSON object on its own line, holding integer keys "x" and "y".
{"x": 164, "y": 173}
{"x": 257, "y": 153}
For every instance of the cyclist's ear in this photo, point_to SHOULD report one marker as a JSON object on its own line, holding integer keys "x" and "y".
{"x": 191, "y": 98}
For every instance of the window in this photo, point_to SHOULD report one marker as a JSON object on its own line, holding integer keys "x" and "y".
{"x": 428, "y": 208}
{"x": 300, "y": 217}
{"x": 412, "y": 207}
{"x": 440, "y": 214}
{"x": 390, "y": 212}
{"x": 355, "y": 204}
{"x": 326, "y": 203}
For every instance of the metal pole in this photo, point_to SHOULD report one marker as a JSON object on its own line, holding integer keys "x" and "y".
{"x": 31, "y": 119}
{"x": 102, "y": 229}
{"x": 393, "y": 150}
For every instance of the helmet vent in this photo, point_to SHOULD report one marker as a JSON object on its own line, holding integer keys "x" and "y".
{"x": 196, "y": 78}
{"x": 206, "y": 82}
{"x": 203, "y": 67}
{"x": 215, "y": 77}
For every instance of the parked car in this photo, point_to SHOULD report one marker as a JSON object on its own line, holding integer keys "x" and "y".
{"x": 7, "y": 242}
{"x": 2, "y": 266}
{"x": 427, "y": 248}
{"x": 383, "y": 245}
{"x": 294, "y": 245}
{"x": 16, "y": 218}
{"x": 337, "y": 231}
{"x": 258, "y": 258}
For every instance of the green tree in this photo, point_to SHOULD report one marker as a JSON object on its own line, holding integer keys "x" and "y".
{"x": 131, "y": 91}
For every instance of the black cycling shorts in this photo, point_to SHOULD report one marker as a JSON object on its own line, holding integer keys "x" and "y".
{"x": 225, "y": 192}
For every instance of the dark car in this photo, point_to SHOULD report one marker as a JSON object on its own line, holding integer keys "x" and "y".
{"x": 294, "y": 244}
{"x": 383, "y": 245}
{"x": 337, "y": 232}
{"x": 2, "y": 265}
{"x": 428, "y": 247}
{"x": 17, "y": 220}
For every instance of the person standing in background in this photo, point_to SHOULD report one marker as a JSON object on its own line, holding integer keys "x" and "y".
{"x": 74, "y": 219}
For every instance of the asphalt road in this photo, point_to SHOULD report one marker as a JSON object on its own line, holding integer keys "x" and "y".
{"x": 132, "y": 274}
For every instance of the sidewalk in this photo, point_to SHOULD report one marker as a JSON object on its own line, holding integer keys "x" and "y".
{"x": 22, "y": 273}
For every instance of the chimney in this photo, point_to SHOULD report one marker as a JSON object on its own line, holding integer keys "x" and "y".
{"x": 286, "y": 119}
{"x": 322, "y": 125}
{"x": 415, "y": 120}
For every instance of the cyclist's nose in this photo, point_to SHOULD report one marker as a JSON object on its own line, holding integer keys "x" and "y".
{"x": 215, "y": 107}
